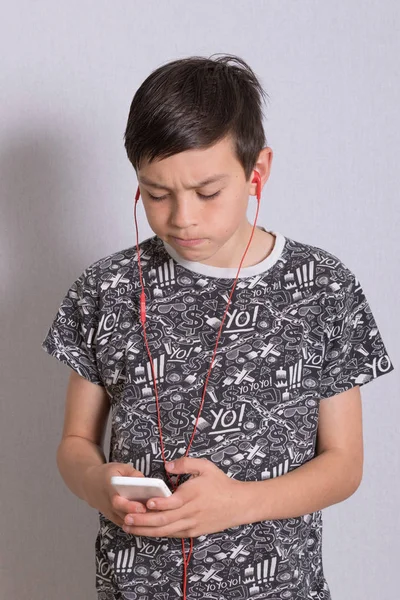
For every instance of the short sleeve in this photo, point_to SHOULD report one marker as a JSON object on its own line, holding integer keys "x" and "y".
{"x": 71, "y": 338}
{"x": 354, "y": 351}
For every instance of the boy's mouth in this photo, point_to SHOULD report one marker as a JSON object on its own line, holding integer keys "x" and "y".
{"x": 184, "y": 242}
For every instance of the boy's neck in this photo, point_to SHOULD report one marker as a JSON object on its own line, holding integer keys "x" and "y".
{"x": 260, "y": 248}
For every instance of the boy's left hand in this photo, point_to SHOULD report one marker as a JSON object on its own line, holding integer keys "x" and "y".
{"x": 208, "y": 502}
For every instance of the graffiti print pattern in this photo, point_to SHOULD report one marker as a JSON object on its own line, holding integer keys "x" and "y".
{"x": 299, "y": 329}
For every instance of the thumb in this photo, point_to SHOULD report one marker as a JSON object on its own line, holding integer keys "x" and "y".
{"x": 127, "y": 470}
{"x": 195, "y": 466}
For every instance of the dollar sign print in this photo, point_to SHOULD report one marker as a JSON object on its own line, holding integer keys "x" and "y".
{"x": 191, "y": 321}
{"x": 179, "y": 419}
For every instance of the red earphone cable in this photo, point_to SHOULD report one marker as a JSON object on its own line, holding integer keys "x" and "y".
{"x": 143, "y": 320}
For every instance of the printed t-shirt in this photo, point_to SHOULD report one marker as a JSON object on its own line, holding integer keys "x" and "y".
{"x": 299, "y": 330}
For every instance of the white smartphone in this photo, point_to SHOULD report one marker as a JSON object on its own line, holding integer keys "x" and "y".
{"x": 140, "y": 489}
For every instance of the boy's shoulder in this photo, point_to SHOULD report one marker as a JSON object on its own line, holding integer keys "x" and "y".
{"x": 313, "y": 265}
{"x": 125, "y": 256}
{"x": 303, "y": 250}
{"x": 113, "y": 267}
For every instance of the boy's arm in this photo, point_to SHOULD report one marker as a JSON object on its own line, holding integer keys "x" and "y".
{"x": 331, "y": 477}
{"x": 210, "y": 501}
{"x": 86, "y": 413}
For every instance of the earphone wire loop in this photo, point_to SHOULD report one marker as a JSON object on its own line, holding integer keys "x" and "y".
{"x": 143, "y": 320}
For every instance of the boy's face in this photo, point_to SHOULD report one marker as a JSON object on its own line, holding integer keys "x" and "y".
{"x": 176, "y": 209}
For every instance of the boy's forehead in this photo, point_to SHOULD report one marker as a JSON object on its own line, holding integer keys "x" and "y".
{"x": 202, "y": 166}
{"x": 218, "y": 177}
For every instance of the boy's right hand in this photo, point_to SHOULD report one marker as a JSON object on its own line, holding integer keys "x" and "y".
{"x": 100, "y": 494}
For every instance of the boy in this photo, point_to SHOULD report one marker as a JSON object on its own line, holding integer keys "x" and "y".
{"x": 280, "y": 433}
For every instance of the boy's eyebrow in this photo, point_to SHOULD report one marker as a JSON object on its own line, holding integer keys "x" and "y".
{"x": 159, "y": 186}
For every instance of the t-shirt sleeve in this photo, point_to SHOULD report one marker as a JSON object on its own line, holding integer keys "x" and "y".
{"x": 71, "y": 338}
{"x": 354, "y": 351}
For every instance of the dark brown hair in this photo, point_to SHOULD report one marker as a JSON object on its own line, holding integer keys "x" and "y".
{"x": 195, "y": 102}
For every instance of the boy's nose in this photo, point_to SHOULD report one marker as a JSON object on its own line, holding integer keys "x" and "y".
{"x": 182, "y": 215}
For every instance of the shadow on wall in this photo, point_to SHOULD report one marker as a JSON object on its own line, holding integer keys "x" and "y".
{"x": 46, "y": 530}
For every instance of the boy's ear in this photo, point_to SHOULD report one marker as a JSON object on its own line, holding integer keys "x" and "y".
{"x": 257, "y": 180}
{"x": 263, "y": 168}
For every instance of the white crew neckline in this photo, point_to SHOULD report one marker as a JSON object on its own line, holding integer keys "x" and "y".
{"x": 230, "y": 272}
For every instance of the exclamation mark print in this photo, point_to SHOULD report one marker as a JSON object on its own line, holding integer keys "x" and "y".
{"x": 160, "y": 276}
{"x": 291, "y": 368}
{"x": 311, "y": 270}
{"x": 162, "y": 361}
{"x": 273, "y": 568}
{"x": 158, "y": 364}
{"x": 172, "y": 270}
{"x": 299, "y": 277}
{"x": 90, "y": 336}
{"x": 281, "y": 469}
{"x": 255, "y": 314}
{"x": 119, "y": 555}
{"x": 126, "y": 556}
{"x": 166, "y": 273}
{"x": 146, "y": 469}
{"x": 142, "y": 464}
{"x": 155, "y": 363}
{"x": 132, "y": 556}
{"x": 305, "y": 275}
{"x": 265, "y": 570}
{"x": 299, "y": 372}
{"x": 241, "y": 415}
{"x": 149, "y": 371}
{"x": 295, "y": 372}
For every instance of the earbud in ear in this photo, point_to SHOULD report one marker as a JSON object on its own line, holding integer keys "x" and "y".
{"x": 137, "y": 194}
{"x": 257, "y": 180}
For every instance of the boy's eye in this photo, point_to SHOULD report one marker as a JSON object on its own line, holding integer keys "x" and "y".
{"x": 158, "y": 198}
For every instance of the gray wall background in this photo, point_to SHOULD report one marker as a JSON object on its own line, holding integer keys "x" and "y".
{"x": 68, "y": 73}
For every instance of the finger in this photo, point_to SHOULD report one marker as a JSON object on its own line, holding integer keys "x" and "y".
{"x": 181, "y": 528}
{"x": 153, "y": 519}
{"x": 123, "y": 505}
{"x": 126, "y": 470}
{"x": 196, "y": 466}
{"x": 170, "y": 503}
{"x": 123, "y": 514}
